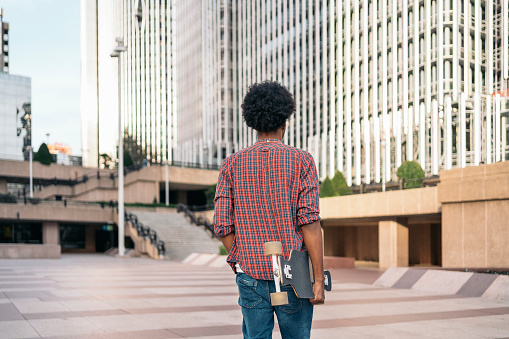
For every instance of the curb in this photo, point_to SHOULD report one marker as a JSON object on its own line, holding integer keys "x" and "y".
{"x": 466, "y": 284}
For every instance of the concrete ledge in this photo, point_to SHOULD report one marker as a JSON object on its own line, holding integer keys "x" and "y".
{"x": 445, "y": 282}
{"x": 466, "y": 284}
{"x": 499, "y": 289}
{"x": 338, "y": 262}
{"x": 206, "y": 259}
{"x": 391, "y": 276}
{"x": 29, "y": 251}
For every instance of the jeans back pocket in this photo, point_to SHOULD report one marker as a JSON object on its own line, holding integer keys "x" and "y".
{"x": 248, "y": 295}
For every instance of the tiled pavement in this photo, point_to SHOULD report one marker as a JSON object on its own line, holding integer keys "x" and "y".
{"x": 96, "y": 296}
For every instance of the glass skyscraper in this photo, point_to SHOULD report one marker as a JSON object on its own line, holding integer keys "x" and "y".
{"x": 148, "y": 78}
{"x": 376, "y": 82}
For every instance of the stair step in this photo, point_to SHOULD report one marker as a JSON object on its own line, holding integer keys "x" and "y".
{"x": 180, "y": 237}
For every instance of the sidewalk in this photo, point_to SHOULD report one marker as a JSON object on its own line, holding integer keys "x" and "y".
{"x": 97, "y": 296}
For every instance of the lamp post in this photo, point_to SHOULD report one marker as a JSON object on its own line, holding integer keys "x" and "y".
{"x": 121, "y": 247}
{"x": 166, "y": 184}
{"x": 382, "y": 144}
{"x": 30, "y": 154}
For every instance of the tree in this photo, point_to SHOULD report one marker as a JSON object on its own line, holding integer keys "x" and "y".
{"x": 105, "y": 161}
{"x": 136, "y": 152}
{"x": 326, "y": 189}
{"x": 43, "y": 155}
{"x": 128, "y": 161}
{"x": 339, "y": 184}
{"x": 412, "y": 173}
{"x": 210, "y": 193}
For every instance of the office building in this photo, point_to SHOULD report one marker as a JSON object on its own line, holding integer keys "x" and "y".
{"x": 372, "y": 87}
{"x": 148, "y": 78}
{"x": 15, "y": 106}
{"x": 15, "y": 117}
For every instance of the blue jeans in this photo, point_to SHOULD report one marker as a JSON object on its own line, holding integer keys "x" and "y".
{"x": 294, "y": 319}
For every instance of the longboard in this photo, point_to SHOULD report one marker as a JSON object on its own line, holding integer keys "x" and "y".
{"x": 297, "y": 272}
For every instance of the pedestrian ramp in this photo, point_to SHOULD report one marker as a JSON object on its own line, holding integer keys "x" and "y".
{"x": 180, "y": 237}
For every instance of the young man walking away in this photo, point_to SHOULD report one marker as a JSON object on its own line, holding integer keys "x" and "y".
{"x": 269, "y": 192}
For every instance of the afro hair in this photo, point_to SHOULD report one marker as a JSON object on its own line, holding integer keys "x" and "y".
{"x": 267, "y": 106}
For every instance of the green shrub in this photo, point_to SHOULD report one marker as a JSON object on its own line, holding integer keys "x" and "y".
{"x": 222, "y": 250}
{"x": 326, "y": 189}
{"x": 412, "y": 174}
{"x": 210, "y": 193}
{"x": 43, "y": 155}
{"x": 339, "y": 184}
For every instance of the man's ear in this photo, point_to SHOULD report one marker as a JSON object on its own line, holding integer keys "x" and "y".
{"x": 283, "y": 129}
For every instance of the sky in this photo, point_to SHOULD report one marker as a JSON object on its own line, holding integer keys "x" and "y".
{"x": 44, "y": 44}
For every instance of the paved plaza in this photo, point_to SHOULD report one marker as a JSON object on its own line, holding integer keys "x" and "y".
{"x": 98, "y": 296}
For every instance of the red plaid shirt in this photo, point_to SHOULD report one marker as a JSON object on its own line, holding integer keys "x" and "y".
{"x": 264, "y": 193}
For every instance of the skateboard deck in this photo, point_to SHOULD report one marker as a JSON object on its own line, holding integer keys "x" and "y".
{"x": 297, "y": 271}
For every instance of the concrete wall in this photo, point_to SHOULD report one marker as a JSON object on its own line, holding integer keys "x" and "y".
{"x": 141, "y": 186}
{"x": 381, "y": 204}
{"x": 475, "y": 216}
{"x": 25, "y": 251}
{"x": 57, "y": 212}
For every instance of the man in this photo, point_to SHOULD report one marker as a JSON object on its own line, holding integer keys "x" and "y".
{"x": 269, "y": 192}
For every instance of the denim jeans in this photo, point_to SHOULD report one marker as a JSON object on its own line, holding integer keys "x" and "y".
{"x": 294, "y": 319}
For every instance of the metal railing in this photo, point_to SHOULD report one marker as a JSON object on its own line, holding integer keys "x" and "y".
{"x": 198, "y": 221}
{"x": 146, "y": 232}
{"x": 195, "y": 165}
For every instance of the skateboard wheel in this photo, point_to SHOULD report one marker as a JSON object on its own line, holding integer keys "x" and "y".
{"x": 273, "y": 248}
{"x": 279, "y": 298}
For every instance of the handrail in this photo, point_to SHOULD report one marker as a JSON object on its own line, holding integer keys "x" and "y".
{"x": 145, "y": 231}
{"x": 198, "y": 221}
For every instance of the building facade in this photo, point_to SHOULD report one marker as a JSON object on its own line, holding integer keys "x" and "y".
{"x": 376, "y": 82}
{"x": 15, "y": 116}
{"x": 148, "y": 78}
{"x": 15, "y": 105}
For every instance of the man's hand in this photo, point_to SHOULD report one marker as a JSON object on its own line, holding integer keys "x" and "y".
{"x": 312, "y": 234}
{"x": 319, "y": 294}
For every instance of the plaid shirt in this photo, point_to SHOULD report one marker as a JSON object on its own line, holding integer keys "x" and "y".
{"x": 264, "y": 193}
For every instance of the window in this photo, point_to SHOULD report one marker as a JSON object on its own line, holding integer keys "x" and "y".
{"x": 21, "y": 233}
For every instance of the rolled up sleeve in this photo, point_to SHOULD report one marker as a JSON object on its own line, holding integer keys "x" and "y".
{"x": 224, "y": 221}
{"x": 308, "y": 209}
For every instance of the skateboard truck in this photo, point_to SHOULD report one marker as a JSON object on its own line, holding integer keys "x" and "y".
{"x": 273, "y": 249}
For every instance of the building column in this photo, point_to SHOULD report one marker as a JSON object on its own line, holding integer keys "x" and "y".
{"x": 50, "y": 234}
{"x": 393, "y": 243}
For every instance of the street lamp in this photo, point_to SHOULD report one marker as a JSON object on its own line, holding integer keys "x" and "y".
{"x": 30, "y": 153}
{"x": 166, "y": 184}
{"x": 382, "y": 144}
{"x": 121, "y": 247}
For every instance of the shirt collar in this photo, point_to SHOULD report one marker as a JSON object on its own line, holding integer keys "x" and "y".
{"x": 268, "y": 140}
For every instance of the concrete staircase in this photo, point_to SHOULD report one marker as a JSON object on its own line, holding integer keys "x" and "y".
{"x": 180, "y": 237}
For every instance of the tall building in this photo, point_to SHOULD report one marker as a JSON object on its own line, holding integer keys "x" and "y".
{"x": 376, "y": 82}
{"x": 15, "y": 106}
{"x": 4, "y": 44}
{"x": 190, "y": 72}
{"x": 148, "y": 78}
